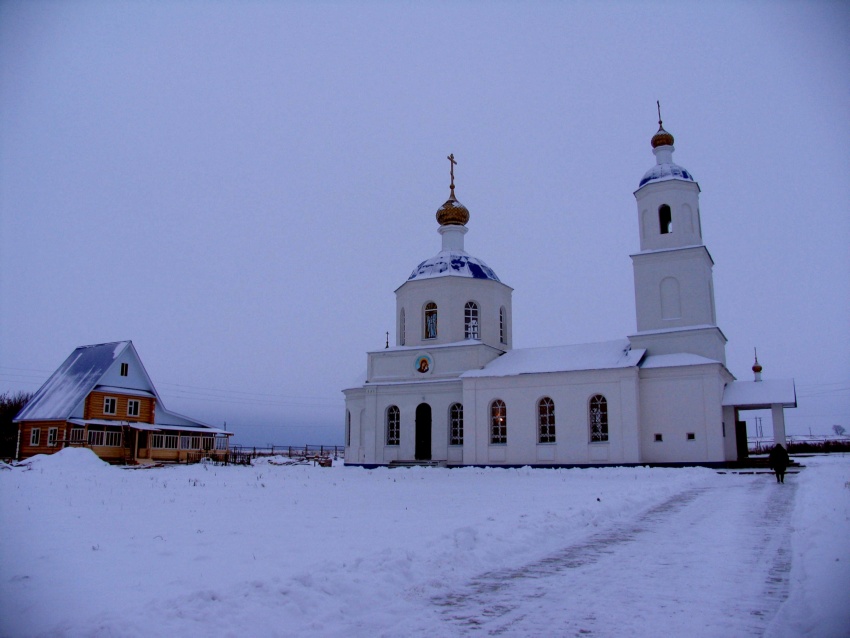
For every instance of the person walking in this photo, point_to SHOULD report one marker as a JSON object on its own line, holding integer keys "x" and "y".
{"x": 779, "y": 461}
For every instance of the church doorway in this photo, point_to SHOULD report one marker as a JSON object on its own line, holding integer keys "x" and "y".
{"x": 423, "y": 432}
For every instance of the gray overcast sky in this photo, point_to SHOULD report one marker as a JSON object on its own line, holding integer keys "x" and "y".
{"x": 240, "y": 187}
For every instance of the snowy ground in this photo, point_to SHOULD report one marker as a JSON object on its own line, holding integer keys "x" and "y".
{"x": 88, "y": 549}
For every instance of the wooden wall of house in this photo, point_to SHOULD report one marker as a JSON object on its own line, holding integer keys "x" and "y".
{"x": 26, "y": 450}
{"x": 94, "y": 407}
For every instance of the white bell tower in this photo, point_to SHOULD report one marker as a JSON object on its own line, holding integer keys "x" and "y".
{"x": 674, "y": 287}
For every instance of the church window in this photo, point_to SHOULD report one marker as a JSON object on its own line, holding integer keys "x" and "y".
{"x": 665, "y": 219}
{"x": 401, "y": 328}
{"x": 430, "y": 320}
{"x": 598, "y": 419}
{"x": 498, "y": 423}
{"x": 456, "y": 424}
{"x": 470, "y": 320}
{"x": 393, "y": 425}
{"x": 503, "y": 338}
{"x": 545, "y": 420}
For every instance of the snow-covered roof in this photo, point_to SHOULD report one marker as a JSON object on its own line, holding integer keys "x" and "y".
{"x": 589, "y": 356}
{"x": 71, "y": 382}
{"x": 128, "y": 391}
{"x": 761, "y": 394}
{"x": 664, "y": 172}
{"x": 455, "y": 263}
{"x": 675, "y": 360}
{"x": 136, "y": 425}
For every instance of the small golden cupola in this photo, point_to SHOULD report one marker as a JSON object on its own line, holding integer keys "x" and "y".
{"x": 662, "y": 137}
{"x": 452, "y": 213}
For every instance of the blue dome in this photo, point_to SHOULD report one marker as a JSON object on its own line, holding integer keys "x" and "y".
{"x": 663, "y": 172}
{"x": 453, "y": 263}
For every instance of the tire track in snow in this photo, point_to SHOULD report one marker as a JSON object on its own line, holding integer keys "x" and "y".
{"x": 643, "y": 576}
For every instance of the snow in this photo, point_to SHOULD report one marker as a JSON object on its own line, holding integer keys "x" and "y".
{"x": 586, "y": 356}
{"x": 761, "y": 393}
{"x": 453, "y": 263}
{"x": 272, "y": 550}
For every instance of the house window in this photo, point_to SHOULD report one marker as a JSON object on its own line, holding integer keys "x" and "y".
{"x": 77, "y": 435}
{"x": 52, "y": 435}
{"x": 133, "y": 407}
{"x": 430, "y": 320}
{"x": 598, "y": 419}
{"x": 164, "y": 441}
{"x": 546, "y": 420}
{"x": 190, "y": 442}
{"x": 96, "y": 437}
{"x": 665, "y": 219}
{"x": 125, "y": 369}
{"x": 35, "y": 436}
{"x": 691, "y": 436}
{"x": 456, "y": 424}
{"x": 112, "y": 439}
{"x": 498, "y": 423}
{"x": 659, "y": 438}
{"x": 110, "y": 405}
{"x": 503, "y": 338}
{"x": 401, "y": 328}
{"x": 393, "y": 425}
{"x": 470, "y": 320}
{"x": 221, "y": 443}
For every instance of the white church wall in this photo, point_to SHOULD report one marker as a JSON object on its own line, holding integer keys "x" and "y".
{"x": 444, "y": 361}
{"x": 682, "y": 406}
{"x": 682, "y": 198}
{"x": 571, "y": 393}
{"x": 691, "y": 269}
{"x": 451, "y": 294}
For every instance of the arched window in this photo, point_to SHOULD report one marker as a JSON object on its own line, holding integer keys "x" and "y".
{"x": 470, "y": 320}
{"x": 545, "y": 420}
{"x": 347, "y": 427}
{"x": 503, "y": 337}
{"x": 665, "y": 219}
{"x": 456, "y": 424}
{"x": 393, "y": 425}
{"x": 401, "y": 328}
{"x": 430, "y": 320}
{"x": 498, "y": 423}
{"x": 598, "y": 419}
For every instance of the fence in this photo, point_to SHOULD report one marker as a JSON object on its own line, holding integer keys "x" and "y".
{"x": 801, "y": 443}
{"x": 243, "y": 455}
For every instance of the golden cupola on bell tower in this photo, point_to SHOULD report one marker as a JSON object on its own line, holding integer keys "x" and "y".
{"x": 452, "y": 213}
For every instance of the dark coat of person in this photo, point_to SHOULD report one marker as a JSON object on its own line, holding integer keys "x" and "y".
{"x": 779, "y": 459}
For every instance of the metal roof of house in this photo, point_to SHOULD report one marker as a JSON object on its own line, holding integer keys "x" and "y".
{"x": 71, "y": 382}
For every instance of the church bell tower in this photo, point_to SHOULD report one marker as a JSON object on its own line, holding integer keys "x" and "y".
{"x": 674, "y": 287}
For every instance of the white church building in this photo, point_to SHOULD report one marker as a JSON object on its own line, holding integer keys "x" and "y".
{"x": 453, "y": 391}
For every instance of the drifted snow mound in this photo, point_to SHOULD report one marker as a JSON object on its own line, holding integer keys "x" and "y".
{"x": 69, "y": 458}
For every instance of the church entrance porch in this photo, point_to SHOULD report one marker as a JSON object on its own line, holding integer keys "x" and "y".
{"x": 423, "y": 432}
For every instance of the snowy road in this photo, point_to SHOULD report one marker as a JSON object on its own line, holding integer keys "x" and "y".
{"x": 652, "y": 573}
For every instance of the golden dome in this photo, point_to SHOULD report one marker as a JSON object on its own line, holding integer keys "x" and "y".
{"x": 452, "y": 212}
{"x": 662, "y": 137}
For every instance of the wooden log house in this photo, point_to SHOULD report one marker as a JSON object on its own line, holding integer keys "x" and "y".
{"x": 102, "y": 398}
